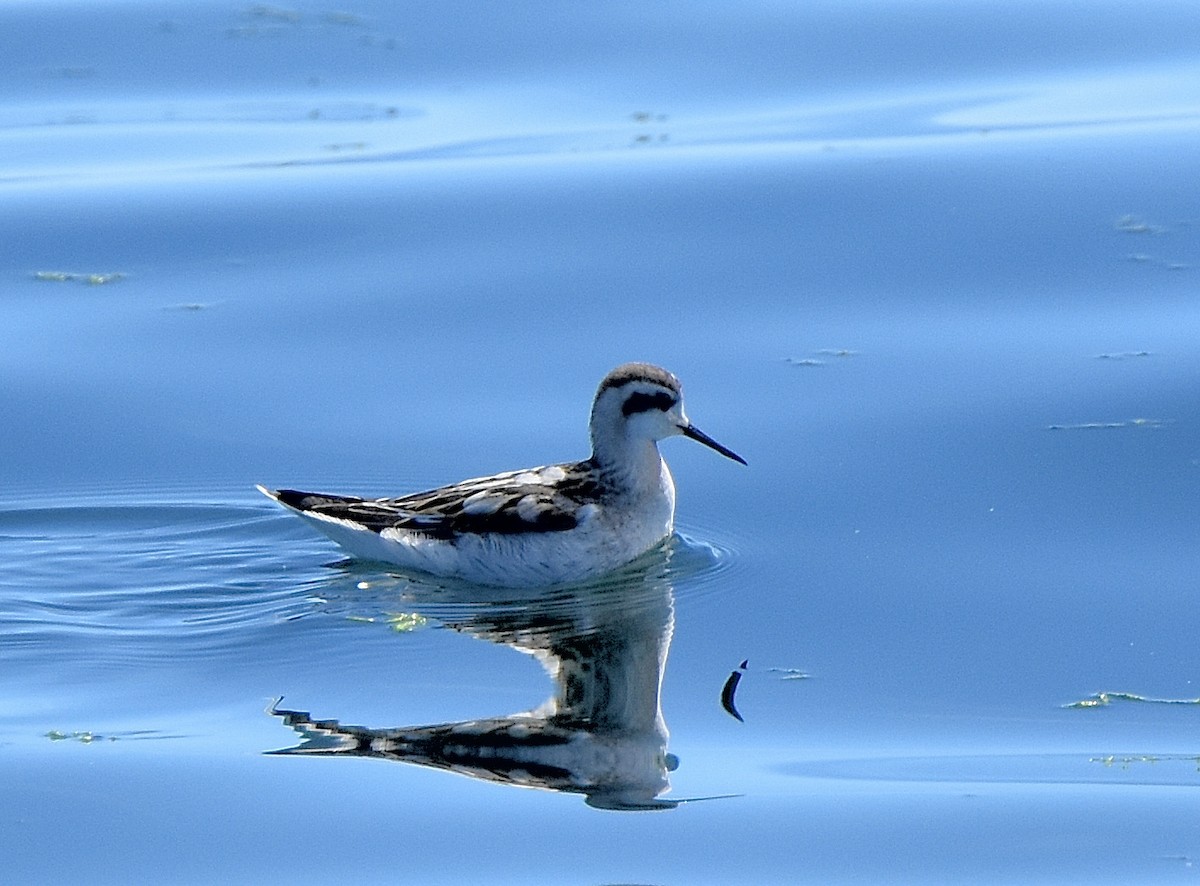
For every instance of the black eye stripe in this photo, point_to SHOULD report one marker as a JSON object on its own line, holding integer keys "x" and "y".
{"x": 639, "y": 402}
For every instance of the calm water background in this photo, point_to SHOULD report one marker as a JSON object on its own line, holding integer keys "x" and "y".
{"x": 931, "y": 267}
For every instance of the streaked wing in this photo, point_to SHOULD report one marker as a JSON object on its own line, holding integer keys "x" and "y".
{"x": 547, "y": 499}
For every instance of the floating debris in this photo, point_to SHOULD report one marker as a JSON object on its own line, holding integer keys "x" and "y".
{"x": 1126, "y": 761}
{"x": 404, "y": 622}
{"x": 1114, "y": 760}
{"x": 790, "y": 673}
{"x": 730, "y": 687}
{"x": 400, "y": 622}
{"x": 1131, "y": 224}
{"x": 86, "y": 736}
{"x": 839, "y": 353}
{"x": 1124, "y": 355}
{"x": 1112, "y": 425}
{"x": 1103, "y": 699}
{"x": 81, "y": 737}
{"x": 1142, "y": 258}
{"x": 71, "y": 277}
{"x": 274, "y": 13}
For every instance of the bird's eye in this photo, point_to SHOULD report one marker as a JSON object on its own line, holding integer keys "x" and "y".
{"x": 640, "y": 402}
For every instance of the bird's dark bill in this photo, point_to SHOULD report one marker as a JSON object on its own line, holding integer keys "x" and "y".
{"x": 700, "y": 437}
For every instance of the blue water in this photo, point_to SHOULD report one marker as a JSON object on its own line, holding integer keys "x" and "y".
{"x": 931, "y": 268}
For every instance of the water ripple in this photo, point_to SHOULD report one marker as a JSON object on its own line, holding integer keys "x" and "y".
{"x": 116, "y": 579}
{"x": 138, "y": 581}
{"x": 372, "y": 593}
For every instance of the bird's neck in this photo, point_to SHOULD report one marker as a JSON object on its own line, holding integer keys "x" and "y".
{"x": 629, "y": 466}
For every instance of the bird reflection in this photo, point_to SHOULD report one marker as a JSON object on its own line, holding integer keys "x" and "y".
{"x": 601, "y": 733}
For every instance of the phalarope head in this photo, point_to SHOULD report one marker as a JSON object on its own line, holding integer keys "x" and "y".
{"x": 642, "y": 403}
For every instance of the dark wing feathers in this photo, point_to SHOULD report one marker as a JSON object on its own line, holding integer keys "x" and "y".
{"x": 506, "y": 503}
{"x": 375, "y": 514}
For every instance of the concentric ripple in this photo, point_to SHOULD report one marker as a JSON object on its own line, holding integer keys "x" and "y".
{"x": 122, "y": 579}
{"x": 135, "y": 581}
{"x": 680, "y": 568}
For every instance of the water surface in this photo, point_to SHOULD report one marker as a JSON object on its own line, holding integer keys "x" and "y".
{"x": 931, "y": 268}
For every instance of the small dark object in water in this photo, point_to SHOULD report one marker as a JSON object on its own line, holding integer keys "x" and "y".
{"x": 730, "y": 688}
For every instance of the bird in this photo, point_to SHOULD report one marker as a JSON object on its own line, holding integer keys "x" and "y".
{"x": 556, "y": 524}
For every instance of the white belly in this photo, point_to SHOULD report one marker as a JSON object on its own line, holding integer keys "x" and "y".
{"x": 607, "y": 538}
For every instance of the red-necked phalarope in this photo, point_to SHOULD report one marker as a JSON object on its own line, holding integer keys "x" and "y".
{"x": 541, "y": 526}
